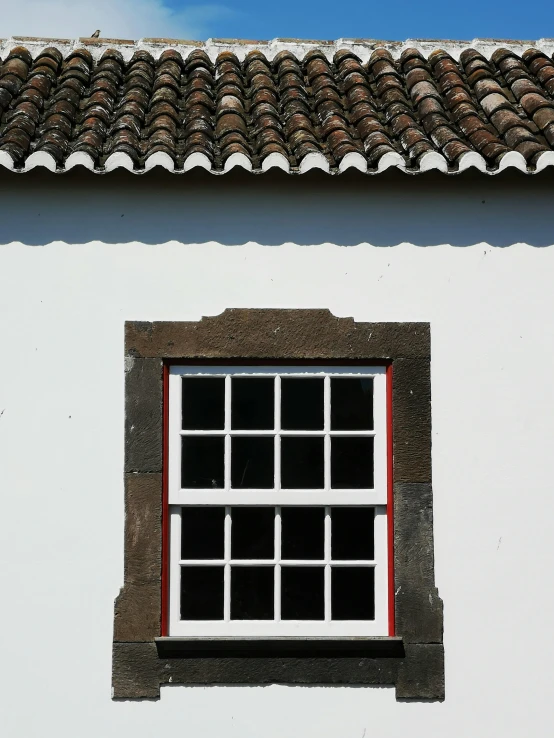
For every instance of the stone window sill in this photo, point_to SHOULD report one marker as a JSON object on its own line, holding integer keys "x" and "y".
{"x": 389, "y": 646}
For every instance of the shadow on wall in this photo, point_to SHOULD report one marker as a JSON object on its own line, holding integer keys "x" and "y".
{"x": 38, "y": 207}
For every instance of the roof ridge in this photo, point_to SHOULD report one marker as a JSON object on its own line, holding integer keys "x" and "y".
{"x": 363, "y": 48}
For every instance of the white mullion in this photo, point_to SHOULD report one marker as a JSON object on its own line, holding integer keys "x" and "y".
{"x": 277, "y": 447}
{"x": 257, "y": 433}
{"x": 227, "y": 569}
{"x": 277, "y": 484}
{"x": 381, "y": 567}
{"x": 273, "y": 562}
{"x": 380, "y": 439}
{"x": 356, "y": 564}
{"x": 277, "y": 552}
{"x": 269, "y": 497}
{"x": 227, "y": 451}
{"x": 175, "y": 443}
{"x": 281, "y": 370}
{"x": 327, "y": 553}
{"x": 175, "y": 528}
{"x": 326, "y": 430}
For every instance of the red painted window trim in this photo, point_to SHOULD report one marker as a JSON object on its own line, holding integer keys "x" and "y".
{"x": 390, "y": 502}
{"x": 165, "y": 506}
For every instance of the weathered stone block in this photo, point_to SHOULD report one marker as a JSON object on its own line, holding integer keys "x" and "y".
{"x": 421, "y": 675}
{"x": 412, "y": 420}
{"x": 418, "y": 607}
{"x": 143, "y": 528}
{"x": 138, "y": 612}
{"x": 277, "y": 334}
{"x": 143, "y": 415}
{"x": 135, "y": 671}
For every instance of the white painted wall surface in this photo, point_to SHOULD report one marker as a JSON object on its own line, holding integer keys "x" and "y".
{"x": 210, "y": 243}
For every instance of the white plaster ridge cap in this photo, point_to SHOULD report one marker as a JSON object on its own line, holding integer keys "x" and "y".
{"x": 546, "y": 159}
{"x": 79, "y": 158}
{"x": 512, "y": 159}
{"x": 277, "y": 160}
{"x": 314, "y": 160}
{"x": 197, "y": 159}
{"x": 472, "y": 159}
{"x": 159, "y": 159}
{"x": 363, "y": 47}
{"x": 6, "y": 160}
{"x": 433, "y": 160}
{"x": 117, "y": 160}
{"x": 353, "y": 160}
{"x": 40, "y": 159}
{"x": 238, "y": 160}
{"x": 391, "y": 159}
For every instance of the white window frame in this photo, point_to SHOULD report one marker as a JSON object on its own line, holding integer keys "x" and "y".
{"x": 326, "y": 497}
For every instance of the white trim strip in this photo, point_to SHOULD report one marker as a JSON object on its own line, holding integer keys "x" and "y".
{"x": 432, "y": 160}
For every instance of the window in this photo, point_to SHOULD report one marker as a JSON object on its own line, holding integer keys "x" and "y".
{"x": 268, "y": 493}
{"x": 278, "y": 494}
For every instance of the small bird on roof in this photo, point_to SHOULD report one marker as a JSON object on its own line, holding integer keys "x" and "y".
{"x": 96, "y": 34}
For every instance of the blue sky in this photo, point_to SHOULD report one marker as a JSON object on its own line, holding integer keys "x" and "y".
{"x": 262, "y": 19}
{"x": 326, "y": 19}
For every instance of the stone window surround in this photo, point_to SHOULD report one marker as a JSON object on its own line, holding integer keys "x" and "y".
{"x": 413, "y": 661}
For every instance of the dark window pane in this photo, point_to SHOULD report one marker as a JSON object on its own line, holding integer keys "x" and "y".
{"x": 252, "y": 462}
{"x": 202, "y": 462}
{"x": 351, "y": 404}
{"x": 302, "y": 532}
{"x": 203, "y": 403}
{"x": 301, "y": 404}
{"x": 352, "y": 593}
{"x": 352, "y": 463}
{"x": 252, "y": 592}
{"x": 202, "y": 593}
{"x": 301, "y": 463}
{"x": 252, "y": 532}
{"x": 202, "y": 532}
{"x": 352, "y": 533}
{"x": 252, "y": 403}
{"x": 302, "y": 593}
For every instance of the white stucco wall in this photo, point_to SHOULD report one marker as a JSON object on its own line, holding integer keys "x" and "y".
{"x": 79, "y": 270}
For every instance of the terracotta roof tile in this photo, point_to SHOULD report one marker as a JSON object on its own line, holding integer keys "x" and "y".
{"x": 293, "y": 104}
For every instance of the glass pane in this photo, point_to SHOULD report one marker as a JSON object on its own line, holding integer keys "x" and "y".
{"x": 302, "y": 463}
{"x": 202, "y": 462}
{"x": 352, "y": 593}
{"x": 252, "y": 403}
{"x": 252, "y": 462}
{"x": 352, "y": 463}
{"x": 202, "y": 532}
{"x": 202, "y": 593}
{"x": 352, "y": 533}
{"x": 301, "y": 404}
{"x": 351, "y": 404}
{"x": 302, "y": 591}
{"x": 252, "y": 532}
{"x": 302, "y": 532}
{"x": 252, "y": 593}
{"x": 203, "y": 403}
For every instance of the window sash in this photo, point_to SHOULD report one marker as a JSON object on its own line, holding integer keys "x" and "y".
{"x": 278, "y": 627}
{"x": 322, "y": 496}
